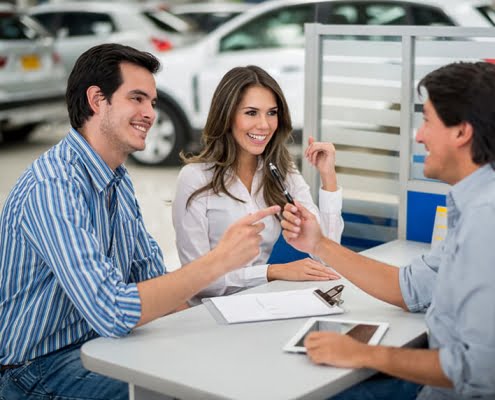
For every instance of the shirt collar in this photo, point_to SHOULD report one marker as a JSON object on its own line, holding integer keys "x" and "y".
{"x": 101, "y": 174}
{"x": 462, "y": 192}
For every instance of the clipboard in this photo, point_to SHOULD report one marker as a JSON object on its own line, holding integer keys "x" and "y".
{"x": 331, "y": 297}
{"x": 255, "y": 307}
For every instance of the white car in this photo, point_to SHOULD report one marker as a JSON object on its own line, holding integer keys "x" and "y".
{"x": 32, "y": 77}
{"x": 209, "y": 16}
{"x": 271, "y": 35}
{"x": 84, "y": 24}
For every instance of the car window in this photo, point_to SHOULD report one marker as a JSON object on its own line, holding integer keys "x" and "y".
{"x": 16, "y": 27}
{"x": 84, "y": 24}
{"x": 49, "y": 20}
{"x": 429, "y": 16}
{"x": 366, "y": 13}
{"x": 488, "y": 12}
{"x": 168, "y": 22}
{"x": 207, "y": 22}
{"x": 278, "y": 29}
{"x": 342, "y": 14}
{"x": 385, "y": 14}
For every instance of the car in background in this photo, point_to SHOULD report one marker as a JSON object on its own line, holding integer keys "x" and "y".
{"x": 6, "y": 7}
{"x": 32, "y": 77}
{"x": 271, "y": 35}
{"x": 81, "y": 25}
{"x": 208, "y": 16}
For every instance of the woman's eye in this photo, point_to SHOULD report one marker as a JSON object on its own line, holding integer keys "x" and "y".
{"x": 274, "y": 112}
{"x": 251, "y": 113}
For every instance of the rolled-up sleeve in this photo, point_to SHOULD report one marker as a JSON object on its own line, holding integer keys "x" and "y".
{"x": 469, "y": 359}
{"x": 72, "y": 250}
{"x": 417, "y": 280}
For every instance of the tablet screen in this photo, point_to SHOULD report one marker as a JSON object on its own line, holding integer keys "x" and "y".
{"x": 365, "y": 332}
{"x": 361, "y": 332}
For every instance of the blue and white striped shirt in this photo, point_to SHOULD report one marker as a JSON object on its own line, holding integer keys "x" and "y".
{"x": 72, "y": 247}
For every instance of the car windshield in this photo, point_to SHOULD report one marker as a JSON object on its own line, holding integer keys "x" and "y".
{"x": 19, "y": 27}
{"x": 207, "y": 22}
{"x": 168, "y": 22}
{"x": 488, "y": 12}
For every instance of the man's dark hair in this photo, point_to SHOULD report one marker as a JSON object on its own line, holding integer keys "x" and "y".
{"x": 465, "y": 92}
{"x": 100, "y": 66}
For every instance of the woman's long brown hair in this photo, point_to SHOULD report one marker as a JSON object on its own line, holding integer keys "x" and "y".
{"x": 219, "y": 145}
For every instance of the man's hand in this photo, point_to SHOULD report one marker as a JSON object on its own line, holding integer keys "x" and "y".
{"x": 239, "y": 244}
{"x": 417, "y": 365}
{"x": 335, "y": 349}
{"x": 301, "y": 270}
{"x": 241, "y": 241}
{"x": 301, "y": 228}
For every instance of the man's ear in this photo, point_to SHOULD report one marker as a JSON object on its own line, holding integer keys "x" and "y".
{"x": 464, "y": 134}
{"x": 95, "y": 97}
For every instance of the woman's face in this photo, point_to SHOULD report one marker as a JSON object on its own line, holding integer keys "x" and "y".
{"x": 255, "y": 120}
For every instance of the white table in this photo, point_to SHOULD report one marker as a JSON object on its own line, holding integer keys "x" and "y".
{"x": 187, "y": 355}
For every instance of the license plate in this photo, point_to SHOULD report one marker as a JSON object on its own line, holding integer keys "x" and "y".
{"x": 30, "y": 62}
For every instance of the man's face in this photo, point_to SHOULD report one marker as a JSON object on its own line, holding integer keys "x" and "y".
{"x": 128, "y": 117}
{"x": 440, "y": 162}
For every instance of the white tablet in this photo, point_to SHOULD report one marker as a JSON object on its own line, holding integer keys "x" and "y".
{"x": 364, "y": 331}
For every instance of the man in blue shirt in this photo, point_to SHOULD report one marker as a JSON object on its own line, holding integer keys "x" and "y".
{"x": 455, "y": 283}
{"x": 76, "y": 261}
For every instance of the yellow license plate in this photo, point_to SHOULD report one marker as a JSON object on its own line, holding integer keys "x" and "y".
{"x": 30, "y": 62}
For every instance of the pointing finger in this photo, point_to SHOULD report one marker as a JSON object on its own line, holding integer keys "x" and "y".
{"x": 259, "y": 215}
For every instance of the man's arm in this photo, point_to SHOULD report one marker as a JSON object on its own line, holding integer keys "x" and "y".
{"x": 417, "y": 365}
{"x": 239, "y": 245}
{"x": 301, "y": 230}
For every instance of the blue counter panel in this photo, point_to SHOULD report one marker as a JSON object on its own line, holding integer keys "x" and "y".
{"x": 421, "y": 209}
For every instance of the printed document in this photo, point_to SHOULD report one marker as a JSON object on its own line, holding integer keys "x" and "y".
{"x": 268, "y": 306}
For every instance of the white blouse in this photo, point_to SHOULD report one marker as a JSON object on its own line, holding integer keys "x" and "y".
{"x": 200, "y": 226}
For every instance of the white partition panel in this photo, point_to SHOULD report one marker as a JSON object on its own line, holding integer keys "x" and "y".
{"x": 360, "y": 94}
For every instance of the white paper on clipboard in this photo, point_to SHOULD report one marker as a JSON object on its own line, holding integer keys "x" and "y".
{"x": 268, "y": 306}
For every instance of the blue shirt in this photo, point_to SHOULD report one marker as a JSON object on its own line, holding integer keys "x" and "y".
{"x": 455, "y": 285}
{"x": 72, "y": 247}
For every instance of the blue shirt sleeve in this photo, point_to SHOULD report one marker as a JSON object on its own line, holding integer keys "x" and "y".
{"x": 57, "y": 223}
{"x": 418, "y": 279}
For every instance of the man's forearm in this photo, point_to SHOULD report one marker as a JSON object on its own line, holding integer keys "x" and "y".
{"x": 378, "y": 279}
{"x": 417, "y": 365}
{"x": 162, "y": 295}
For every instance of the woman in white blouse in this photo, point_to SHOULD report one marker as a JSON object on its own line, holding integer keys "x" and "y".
{"x": 247, "y": 127}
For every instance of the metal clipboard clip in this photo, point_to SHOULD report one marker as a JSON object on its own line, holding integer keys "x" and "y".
{"x": 331, "y": 297}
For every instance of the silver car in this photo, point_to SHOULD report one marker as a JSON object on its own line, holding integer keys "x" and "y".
{"x": 32, "y": 77}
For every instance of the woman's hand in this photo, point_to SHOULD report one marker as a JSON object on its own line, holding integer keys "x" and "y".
{"x": 321, "y": 155}
{"x": 306, "y": 269}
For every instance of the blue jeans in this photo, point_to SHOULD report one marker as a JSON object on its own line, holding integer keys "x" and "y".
{"x": 59, "y": 376}
{"x": 381, "y": 387}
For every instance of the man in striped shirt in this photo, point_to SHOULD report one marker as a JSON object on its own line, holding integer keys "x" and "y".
{"x": 76, "y": 261}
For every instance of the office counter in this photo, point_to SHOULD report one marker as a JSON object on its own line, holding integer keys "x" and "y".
{"x": 187, "y": 355}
